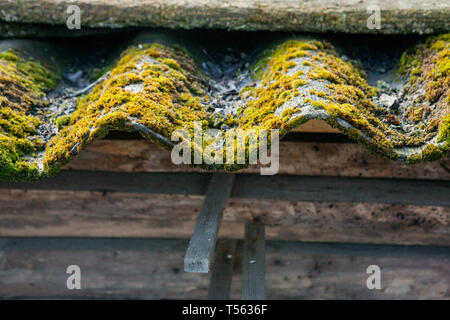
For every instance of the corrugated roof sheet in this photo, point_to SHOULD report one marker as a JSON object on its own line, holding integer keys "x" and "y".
{"x": 162, "y": 82}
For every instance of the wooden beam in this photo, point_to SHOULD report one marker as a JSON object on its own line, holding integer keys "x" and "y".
{"x": 278, "y": 187}
{"x": 253, "y": 262}
{"x": 222, "y": 272}
{"x": 300, "y": 154}
{"x": 317, "y": 126}
{"x": 203, "y": 240}
{"x": 34, "y": 268}
{"x": 337, "y": 189}
{"x": 40, "y": 213}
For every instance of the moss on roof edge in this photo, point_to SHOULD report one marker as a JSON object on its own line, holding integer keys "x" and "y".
{"x": 156, "y": 89}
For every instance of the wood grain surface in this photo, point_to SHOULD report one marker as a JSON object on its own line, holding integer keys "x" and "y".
{"x": 152, "y": 269}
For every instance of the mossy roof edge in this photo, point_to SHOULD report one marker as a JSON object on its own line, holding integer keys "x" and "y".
{"x": 155, "y": 89}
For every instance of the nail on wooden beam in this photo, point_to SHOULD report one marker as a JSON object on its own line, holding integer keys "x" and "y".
{"x": 222, "y": 272}
{"x": 203, "y": 240}
{"x": 253, "y": 263}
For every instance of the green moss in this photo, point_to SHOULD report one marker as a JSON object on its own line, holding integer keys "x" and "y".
{"x": 162, "y": 95}
{"x": 428, "y": 65}
{"x": 288, "y": 50}
{"x": 416, "y": 114}
{"x": 96, "y": 73}
{"x": 299, "y": 82}
{"x": 318, "y": 104}
{"x": 276, "y": 84}
{"x": 407, "y": 62}
{"x": 62, "y": 121}
{"x": 349, "y": 97}
{"x": 430, "y": 153}
{"x": 171, "y": 63}
{"x": 23, "y": 83}
{"x": 28, "y": 72}
{"x": 157, "y": 89}
{"x": 444, "y": 132}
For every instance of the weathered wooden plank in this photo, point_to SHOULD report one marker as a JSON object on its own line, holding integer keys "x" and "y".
{"x": 278, "y": 187}
{"x": 131, "y": 268}
{"x": 35, "y": 268}
{"x": 104, "y": 214}
{"x": 222, "y": 272}
{"x": 203, "y": 240}
{"x": 254, "y": 262}
{"x": 337, "y": 189}
{"x": 296, "y": 157}
{"x": 317, "y": 126}
{"x": 149, "y": 183}
{"x": 407, "y": 16}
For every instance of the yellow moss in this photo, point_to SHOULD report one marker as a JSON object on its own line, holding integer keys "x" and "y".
{"x": 350, "y": 97}
{"x": 430, "y": 153}
{"x": 444, "y": 132}
{"x": 416, "y": 114}
{"x": 318, "y": 104}
{"x": 23, "y": 83}
{"x": 27, "y": 72}
{"x": 299, "y": 82}
{"x": 162, "y": 95}
{"x": 287, "y": 113}
{"x": 287, "y": 51}
{"x": 62, "y": 121}
{"x": 276, "y": 84}
{"x": 428, "y": 65}
{"x": 321, "y": 94}
{"x": 416, "y": 71}
{"x": 171, "y": 63}
{"x": 156, "y": 89}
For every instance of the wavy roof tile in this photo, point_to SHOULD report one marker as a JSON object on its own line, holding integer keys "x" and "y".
{"x": 157, "y": 86}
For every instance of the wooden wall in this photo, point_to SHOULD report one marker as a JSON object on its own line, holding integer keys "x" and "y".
{"x": 124, "y": 213}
